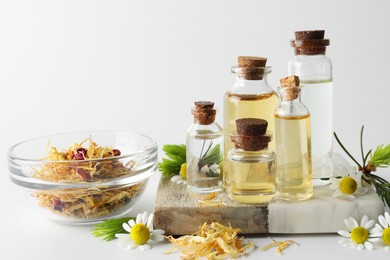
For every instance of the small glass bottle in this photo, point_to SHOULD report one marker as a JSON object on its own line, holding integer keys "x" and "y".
{"x": 250, "y": 175}
{"x": 250, "y": 97}
{"x": 293, "y": 144}
{"x": 204, "y": 152}
{"x": 314, "y": 70}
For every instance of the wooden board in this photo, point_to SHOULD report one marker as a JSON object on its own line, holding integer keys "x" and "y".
{"x": 179, "y": 213}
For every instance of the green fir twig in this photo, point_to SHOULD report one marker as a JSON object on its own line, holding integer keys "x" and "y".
{"x": 379, "y": 158}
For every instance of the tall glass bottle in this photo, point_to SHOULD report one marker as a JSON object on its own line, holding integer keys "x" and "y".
{"x": 314, "y": 69}
{"x": 249, "y": 97}
{"x": 293, "y": 145}
{"x": 204, "y": 151}
{"x": 250, "y": 174}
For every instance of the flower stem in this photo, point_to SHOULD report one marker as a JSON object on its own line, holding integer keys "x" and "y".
{"x": 345, "y": 150}
{"x": 361, "y": 147}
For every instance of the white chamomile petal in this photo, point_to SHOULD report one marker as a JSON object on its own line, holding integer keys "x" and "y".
{"x": 354, "y": 222}
{"x": 368, "y": 245}
{"x": 348, "y": 224}
{"x": 144, "y": 218}
{"x": 131, "y": 246}
{"x": 337, "y": 193}
{"x": 373, "y": 239}
{"x": 344, "y": 233}
{"x": 387, "y": 248}
{"x": 376, "y": 234}
{"x": 126, "y": 227}
{"x": 145, "y": 247}
{"x": 158, "y": 231}
{"x": 131, "y": 223}
{"x": 387, "y": 217}
{"x": 334, "y": 180}
{"x": 138, "y": 219}
{"x": 156, "y": 237}
{"x": 350, "y": 196}
{"x": 369, "y": 224}
{"x": 383, "y": 221}
{"x": 150, "y": 222}
{"x": 334, "y": 186}
{"x": 121, "y": 236}
{"x": 351, "y": 223}
{"x": 363, "y": 221}
{"x": 360, "y": 247}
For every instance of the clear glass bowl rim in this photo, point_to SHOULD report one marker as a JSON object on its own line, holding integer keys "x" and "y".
{"x": 147, "y": 149}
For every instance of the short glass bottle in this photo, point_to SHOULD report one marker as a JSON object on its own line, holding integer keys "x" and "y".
{"x": 250, "y": 175}
{"x": 293, "y": 144}
{"x": 204, "y": 151}
{"x": 314, "y": 70}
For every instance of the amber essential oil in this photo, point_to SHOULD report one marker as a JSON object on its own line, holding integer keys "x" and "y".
{"x": 294, "y": 169}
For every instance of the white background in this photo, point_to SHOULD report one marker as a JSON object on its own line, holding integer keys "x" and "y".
{"x": 140, "y": 65}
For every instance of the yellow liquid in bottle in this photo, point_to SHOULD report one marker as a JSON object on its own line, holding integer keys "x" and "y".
{"x": 238, "y": 106}
{"x": 293, "y": 157}
{"x": 251, "y": 182}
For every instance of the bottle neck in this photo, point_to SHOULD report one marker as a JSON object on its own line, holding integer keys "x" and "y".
{"x": 290, "y": 102}
{"x": 255, "y": 83}
{"x": 254, "y": 152}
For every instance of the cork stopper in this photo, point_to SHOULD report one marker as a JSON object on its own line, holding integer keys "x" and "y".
{"x": 291, "y": 87}
{"x": 252, "y": 67}
{"x": 310, "y": 42}
{"x": 251, "y": 126}
{"x": 204, "y": 112}
{"x": 251, "y": 134}
{"x": 310, "y": 35}
{"x": 251, "y": 61}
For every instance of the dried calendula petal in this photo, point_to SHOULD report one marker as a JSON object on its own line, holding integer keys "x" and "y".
{"x": 214, "y": 241}
{"x": 281, "y": 245}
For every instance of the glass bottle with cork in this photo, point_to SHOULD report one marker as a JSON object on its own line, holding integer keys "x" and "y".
{"x": 204, "y": 151}
{"x": 250, "y": 97}
{"x": 314, "y": 69}
{"x": 250, "y": 175}
{"x": 293, "y": 144}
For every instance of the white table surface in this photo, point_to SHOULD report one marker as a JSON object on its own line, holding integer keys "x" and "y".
{"x": 28, "y": 235}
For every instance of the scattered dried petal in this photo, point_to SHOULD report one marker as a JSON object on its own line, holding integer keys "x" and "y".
{"x": 213, "y": 241}
{"x": 281, "y": 245}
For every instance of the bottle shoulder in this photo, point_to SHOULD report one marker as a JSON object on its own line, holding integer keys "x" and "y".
{"x": 291, "y": 108}
{"x": 311, "y": 67}
{"x": 213, "y": 129}
{"x": 250, "y": 87}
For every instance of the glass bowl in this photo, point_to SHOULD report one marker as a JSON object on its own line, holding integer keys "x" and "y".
{"x": 73, "y": 189}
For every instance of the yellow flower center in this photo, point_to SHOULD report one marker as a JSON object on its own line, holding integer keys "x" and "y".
{"x": 359, "y": 235}
{"x": 183, "y": 171}
{"x": 348, "y": 185}
{"x": 386, "y": 236}
{"x": 140, "y": 234}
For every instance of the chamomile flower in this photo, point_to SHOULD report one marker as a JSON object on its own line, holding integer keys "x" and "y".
{"x": 359, "y": 236}
{"x": 140, "y": 232}
{"x": 383, "y": 230}
{"x": 212, "y": 170}
{"x": 347, "y": 186}
{"x": 182, "y": 177}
